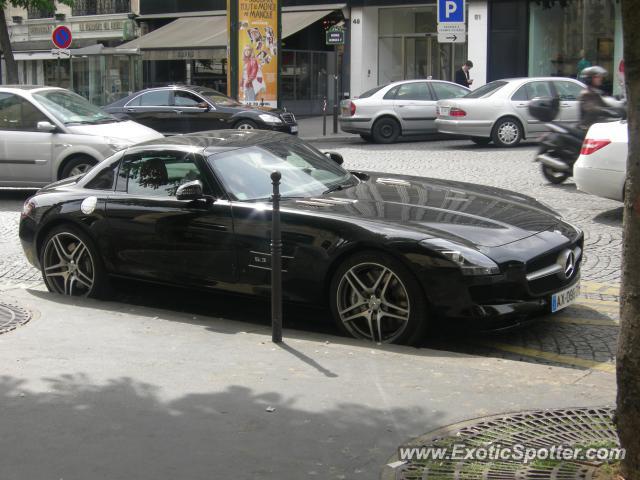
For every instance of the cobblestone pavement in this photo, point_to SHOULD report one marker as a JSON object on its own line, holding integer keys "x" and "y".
{"x": 583, "y": 336}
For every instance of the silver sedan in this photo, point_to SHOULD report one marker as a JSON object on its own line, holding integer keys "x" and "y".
{"x": 384, "y": 113}
{"x": 498, "y": 111}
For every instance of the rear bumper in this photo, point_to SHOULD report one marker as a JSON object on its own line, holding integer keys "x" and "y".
{"x": 356, "y": 125}
{"x": 469, "y": 128}
{"x": 599, "y": 182}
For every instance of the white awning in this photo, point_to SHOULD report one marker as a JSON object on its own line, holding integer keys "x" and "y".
{"x": 189, "y": 33}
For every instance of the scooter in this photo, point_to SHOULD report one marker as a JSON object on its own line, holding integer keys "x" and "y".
{"x": 560, "y": 148}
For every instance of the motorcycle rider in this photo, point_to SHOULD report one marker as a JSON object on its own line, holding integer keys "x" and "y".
{"x": 593, "y": 107}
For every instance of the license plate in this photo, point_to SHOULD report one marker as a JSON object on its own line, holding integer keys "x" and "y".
{"x": 294, "y": 129}
{"x": 565, "y": 298}
{"x": 444, "y": 111}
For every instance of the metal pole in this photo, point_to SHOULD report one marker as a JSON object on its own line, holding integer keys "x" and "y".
{"x": 335, "y": 93}
{"x": 324, "y": 117}
{"x": 276, "y": 262}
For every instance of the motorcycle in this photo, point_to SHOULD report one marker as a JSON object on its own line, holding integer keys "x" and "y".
{"x": 560, "y": 148}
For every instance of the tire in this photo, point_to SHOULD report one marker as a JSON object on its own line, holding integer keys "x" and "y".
{"x": 366, "y": 137}
{"x": 71, "y": 264}
{"x": 385, "y": 130}
{"x": 246, "y": 125}
{"x": 77, "y": 166}
{"x": 481, "y": 140}
{"x": 507, "y": 132}
{"x": 386, "y": 287}
{"x": 554, "y": 176}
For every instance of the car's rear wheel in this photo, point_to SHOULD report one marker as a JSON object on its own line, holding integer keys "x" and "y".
{"x": 481, "y": 140}
{"x": 77, "y": 166}
{"x": 386, "y": 130}
{"x": 246, "y": 125}
{"x": 554, "y": 176}
{"x": 507, "y": 132}
{"x": 71, "y": 264}
{"x": 374, "y": 297}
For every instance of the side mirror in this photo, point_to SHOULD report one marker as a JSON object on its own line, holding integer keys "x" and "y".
{"x": 45, "y": 127}
{"x": 335, "y": 156}
{"x": 190, "y": 191}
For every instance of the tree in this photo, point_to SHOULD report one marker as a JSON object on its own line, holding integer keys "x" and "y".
{"x": 5, "y": 41}
{"x": 628, "y": 355}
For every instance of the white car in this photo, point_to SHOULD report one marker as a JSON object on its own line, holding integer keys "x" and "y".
{"x": 48, "y": 133}
{"x": 601, "y": 168}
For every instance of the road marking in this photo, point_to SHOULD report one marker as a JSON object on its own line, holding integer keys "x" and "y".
{"x": 608, "y": 367}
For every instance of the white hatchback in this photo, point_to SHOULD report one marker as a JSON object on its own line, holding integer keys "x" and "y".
{"x": 601, "y": 168}
{"x": 48, "y": 133}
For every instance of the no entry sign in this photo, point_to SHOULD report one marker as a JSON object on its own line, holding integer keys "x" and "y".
{"x": 61, "y": 37}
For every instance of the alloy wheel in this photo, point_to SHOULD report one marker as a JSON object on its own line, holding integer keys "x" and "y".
{"x": 79, "y": 169}
{"x": 245, "y": 126}
{"x": 508, "y": 132}
{"x": 68, "y": 266}
{"x": 373, "y": 303}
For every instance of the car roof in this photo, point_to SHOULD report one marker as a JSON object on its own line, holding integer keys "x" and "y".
{"x": 216, "y": 141}
{"x": 28, "y": 88}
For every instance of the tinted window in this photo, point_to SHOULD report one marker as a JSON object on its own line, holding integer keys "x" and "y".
{"x": 568, "y": 90}
{"x": 105, "y": 178}
{"x": 486, "y": 90}
{"x": 414, "y": 91}
{"x": 448, "y": 90}
{"x": 368, "y": 93}
{"x": 159, "y": 98}
{"x": 391, "y": 94}
{"x": 521, "y": 94}
{"x": 16, "y": 113}
{"x": 157, "y": 173}
{"x": 185, "y": 99}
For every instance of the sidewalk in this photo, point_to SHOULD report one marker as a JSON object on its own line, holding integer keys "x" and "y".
{"x": 106, "y": 390}
{"x": 311, "y": 131}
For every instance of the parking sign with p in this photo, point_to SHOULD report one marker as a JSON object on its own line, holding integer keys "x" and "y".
{"x": 451, "y": 11}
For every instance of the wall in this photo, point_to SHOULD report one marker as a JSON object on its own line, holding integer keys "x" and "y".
{"x": 364, "y": 49}
{"x": 477, "y": 21}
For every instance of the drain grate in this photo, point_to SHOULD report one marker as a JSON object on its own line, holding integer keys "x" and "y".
{"x": 585, "y": 428}
{"x": 12, "y": 317}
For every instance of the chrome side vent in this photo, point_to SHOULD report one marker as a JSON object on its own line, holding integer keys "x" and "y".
{"x": 393, "y": 181}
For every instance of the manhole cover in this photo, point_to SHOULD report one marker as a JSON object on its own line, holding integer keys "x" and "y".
{"x": 12, "y": 317}
{"x": 566, "y": 430}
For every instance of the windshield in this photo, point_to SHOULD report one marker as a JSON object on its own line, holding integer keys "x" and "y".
{"x": 70, "y": 108}
{"x": 486, "y": 90}
{"x": 305, "y": 172}
{"x": 218, "y": 98}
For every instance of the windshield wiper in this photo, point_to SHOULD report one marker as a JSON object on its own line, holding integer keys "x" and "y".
{"x": 81, "y": 122}
{"x": 339, "y": 186}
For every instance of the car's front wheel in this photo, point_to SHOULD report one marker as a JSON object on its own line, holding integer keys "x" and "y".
{"x": 246, "y": 125}
{"x": 71, "y": 265}
{"x": 374, "y": 297}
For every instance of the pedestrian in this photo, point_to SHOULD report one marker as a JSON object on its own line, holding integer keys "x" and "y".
{"x": 462, "y": 75}
{"x": 583, "y": 63}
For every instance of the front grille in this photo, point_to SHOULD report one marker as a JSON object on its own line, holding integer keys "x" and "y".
{"x": 553, "y": 281}
{"x": 288, "y": 118}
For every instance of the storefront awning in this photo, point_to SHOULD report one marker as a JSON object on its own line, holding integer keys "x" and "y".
{"x": 211, "y": 32}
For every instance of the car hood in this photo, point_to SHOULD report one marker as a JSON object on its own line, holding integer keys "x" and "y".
{"x": 128, "y": 131}
{"x": 461, "y": 212}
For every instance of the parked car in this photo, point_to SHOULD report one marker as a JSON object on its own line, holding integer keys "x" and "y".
{"x": 386, "y": 253}
{"x": 499, "y": 110}
{"x": 601, "y": 168}
{"x": 49, "y": 133}
{"x": 384, "y": 113}
{"x": 182, "y": 109}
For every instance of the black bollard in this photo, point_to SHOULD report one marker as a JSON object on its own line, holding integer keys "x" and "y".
{"x": 276, "y": 262}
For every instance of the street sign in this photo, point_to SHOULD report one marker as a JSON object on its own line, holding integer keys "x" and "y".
{"x": 452, "y": 33}
{"x": 335, "y": 36}
{"x": 451, "y": 11}
{"x": 61, "y": 52}
{"x": 61, "y": 37}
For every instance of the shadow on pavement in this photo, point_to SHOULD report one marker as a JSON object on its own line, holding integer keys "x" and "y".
{"x": 610, "y": 217}
{"x": 122, "y": 428}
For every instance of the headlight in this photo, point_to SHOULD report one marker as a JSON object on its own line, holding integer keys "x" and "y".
{"x": 470, "y": 261}
{"x": 117, "y": 144}
{"x": 272, "y": 119}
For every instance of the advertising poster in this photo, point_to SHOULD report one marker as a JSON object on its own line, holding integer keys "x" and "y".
{"x": 258, "y": 52}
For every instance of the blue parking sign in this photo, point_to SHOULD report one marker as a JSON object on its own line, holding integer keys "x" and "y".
{"x": 450, "y": 11}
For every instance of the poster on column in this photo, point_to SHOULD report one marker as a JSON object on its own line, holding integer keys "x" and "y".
{"x": 258, "y": 52}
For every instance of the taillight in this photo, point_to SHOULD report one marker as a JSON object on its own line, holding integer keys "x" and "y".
{"x": 457, "y": 112}
{"x": 352, "y": 108}
{"x": 590, "y": 145}
{"x": 28, "y": 208}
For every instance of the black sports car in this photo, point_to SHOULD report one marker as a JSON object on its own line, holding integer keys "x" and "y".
{"x": 387, "y": 253}
{"x": 180, "y": 109}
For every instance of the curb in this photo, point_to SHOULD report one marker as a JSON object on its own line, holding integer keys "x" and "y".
{"x": 330, "y": 138}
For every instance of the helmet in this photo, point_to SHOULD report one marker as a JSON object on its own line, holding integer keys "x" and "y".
{"x": 588, "y": 73}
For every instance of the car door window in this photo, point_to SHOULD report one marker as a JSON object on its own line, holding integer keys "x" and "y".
{"x": 17, "y": 113}
{"x": 158, "y": 98}
{"x": 448, "y": 90}
{"x": 521, "y": 94}
{"x": 414, "y": 91}
{"x": 158, "y": 174}
{"x": 391, "y": 94}
{"x": 539, "y": 89}
{"x": 186, "y": 99}
{"x": 567, "y": 91}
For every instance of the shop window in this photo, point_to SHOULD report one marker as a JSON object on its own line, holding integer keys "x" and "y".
{"x": 158, "y": 98}
{"x": 16, "y": 113}
{"x": 414, "y": 91}
{"x": 567, "y": 91}
{"x": 100, "y": 7}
